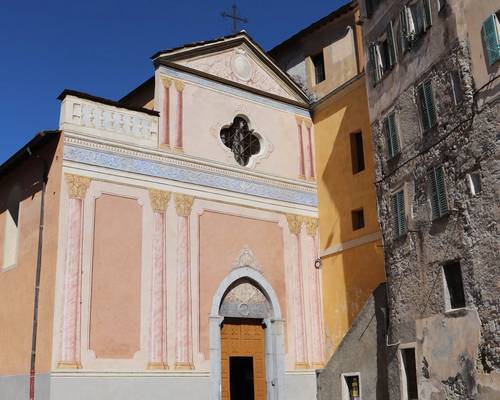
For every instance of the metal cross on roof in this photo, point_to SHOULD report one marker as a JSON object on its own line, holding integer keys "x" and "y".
{"x": 234, "y": 16}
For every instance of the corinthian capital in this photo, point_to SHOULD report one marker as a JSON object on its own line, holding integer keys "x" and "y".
{"x": 311, "y": 225}
{"x": 77, "y": 185}
{"x": 294, "y": 223}
{"x": 159, "y": 199}
{"x": 179, "y": 85}
{"x": 166, "y": 81}
{"x": 183, "y": 204}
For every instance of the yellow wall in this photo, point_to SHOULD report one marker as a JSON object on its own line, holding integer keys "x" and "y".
{"x": 349, "y": 276}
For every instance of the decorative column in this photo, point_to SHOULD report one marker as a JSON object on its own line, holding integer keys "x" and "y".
{"x": 178, "y": 144}
{"x": 295, "y": 227}
{"x": 302, "y": 173}
{"x": 158, "y": 334}
{"x": 311, "y": 174}
{"x": 183, "y": 348}
{"x": 317, "y": 356}
{"x": 69, "y": 354}
{"x": 165, "y": 113}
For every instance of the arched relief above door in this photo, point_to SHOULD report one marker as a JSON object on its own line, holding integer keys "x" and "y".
{"x": 245, "y": 300}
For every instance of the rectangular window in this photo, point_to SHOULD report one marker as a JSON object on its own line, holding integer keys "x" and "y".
{"x": 456, "y": 85}
{"x": 399, "y": 213}
{"x": 319, "y": 67}
{"x": 351, "y": 386}
{"x": 390, "y": 128}
{"x": 376, "y": 65}
{"x": 357, "y": 153}
{"x": 426, "y": 105}
{"x": 416, "y": 19}
{"x": 453, "y": 286}
{"x": 439, "y": 202}
{"x": 358, "y": 219}
{"x": 409, "y": 376}
{"x": 11, "y": 235}
{"x": 491, "y": 37}
{"x": 474, "y": 181}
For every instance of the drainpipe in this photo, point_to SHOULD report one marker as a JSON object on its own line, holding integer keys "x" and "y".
{"x": 38, "y": 273}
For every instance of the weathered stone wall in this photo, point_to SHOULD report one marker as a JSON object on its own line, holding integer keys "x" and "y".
{"x": 464, "y": 141}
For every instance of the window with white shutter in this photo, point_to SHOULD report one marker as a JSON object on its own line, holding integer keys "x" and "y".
{"x": 491, "y": 37}
{"x": 426, "y": 105}
{"x": 416, "y": 19}
{"x": 439, "y": 202}
{"x": 399, "y": 213}
{"x": 391, "y": 135}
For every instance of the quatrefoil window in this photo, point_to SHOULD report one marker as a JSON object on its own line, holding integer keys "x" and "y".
{"x": 241, "y": 140}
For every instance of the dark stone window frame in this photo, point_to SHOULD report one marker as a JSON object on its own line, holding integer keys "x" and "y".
{"x": 241, "y": 140}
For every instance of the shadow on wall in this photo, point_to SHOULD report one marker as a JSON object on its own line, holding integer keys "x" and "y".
{"x": 356, "y": 271}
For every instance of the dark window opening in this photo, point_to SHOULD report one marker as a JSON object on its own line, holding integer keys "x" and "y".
{"x": 410, "y": 367}
{"x": 357, "y": 154}
{"x": 318, "y": 61}
{"x": 358, "y": 219}
{"x": 352, "y": 383}
{"x": 242, "y": 140}
{"x": 454, "y": 285}
{"x": 456, "y": 85}
{"x": 475, "y": 183}
{"x": 241, "y": 378}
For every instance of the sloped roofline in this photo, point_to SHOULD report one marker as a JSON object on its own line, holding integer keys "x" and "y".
{"x": 222, "y": 43}
{"x": 351, "y": 5}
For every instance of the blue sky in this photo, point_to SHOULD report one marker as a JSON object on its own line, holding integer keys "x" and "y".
{"x": 103, "y": 47}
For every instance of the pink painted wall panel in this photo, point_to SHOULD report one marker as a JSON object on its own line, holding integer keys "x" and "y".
{"x": 116, "y": 278}
{"x": 222, "y": 237}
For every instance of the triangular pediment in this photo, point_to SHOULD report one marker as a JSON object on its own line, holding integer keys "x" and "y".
{"x": 236, "y": 59}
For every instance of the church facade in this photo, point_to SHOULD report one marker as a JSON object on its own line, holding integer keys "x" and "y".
{"x": 187, "y": 235}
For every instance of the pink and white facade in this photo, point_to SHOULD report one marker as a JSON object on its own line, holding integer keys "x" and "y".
{"x": 158, "y": 221}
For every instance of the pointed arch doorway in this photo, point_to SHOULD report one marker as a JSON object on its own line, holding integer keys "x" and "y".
{"x": 246, "y": 339}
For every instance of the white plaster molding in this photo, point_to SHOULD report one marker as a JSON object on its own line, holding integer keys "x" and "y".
{"x": 140, "y": 359}
{"x": 274, "y": 335}
{"x": 103, "y": 120}
{"x": 266, "y": 147}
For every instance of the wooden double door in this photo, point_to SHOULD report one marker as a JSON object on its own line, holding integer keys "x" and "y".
{"x": 243, "y": 370}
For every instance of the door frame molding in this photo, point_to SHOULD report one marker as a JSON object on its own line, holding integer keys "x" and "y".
{"x": 273, "y": 335}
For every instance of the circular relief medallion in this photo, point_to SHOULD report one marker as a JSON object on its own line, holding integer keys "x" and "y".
{"x": 242, "y": 67}
{"x": 243, "y": 309}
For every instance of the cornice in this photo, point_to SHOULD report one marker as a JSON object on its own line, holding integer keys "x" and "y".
{"x": 153, "y": 163}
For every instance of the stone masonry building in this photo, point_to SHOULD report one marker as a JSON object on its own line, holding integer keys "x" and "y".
{"x": 433, "y": 92}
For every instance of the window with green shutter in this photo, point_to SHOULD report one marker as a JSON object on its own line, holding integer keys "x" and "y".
{"x": 439, "y": 202}
{"x": 491, "y": 37}
{"x": 399, "y": 214}
{"x": 426, "y": 105}
{"x": 391, "y": 135}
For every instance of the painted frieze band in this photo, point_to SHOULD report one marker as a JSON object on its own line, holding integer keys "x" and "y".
{"x": 137, "y": 165}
